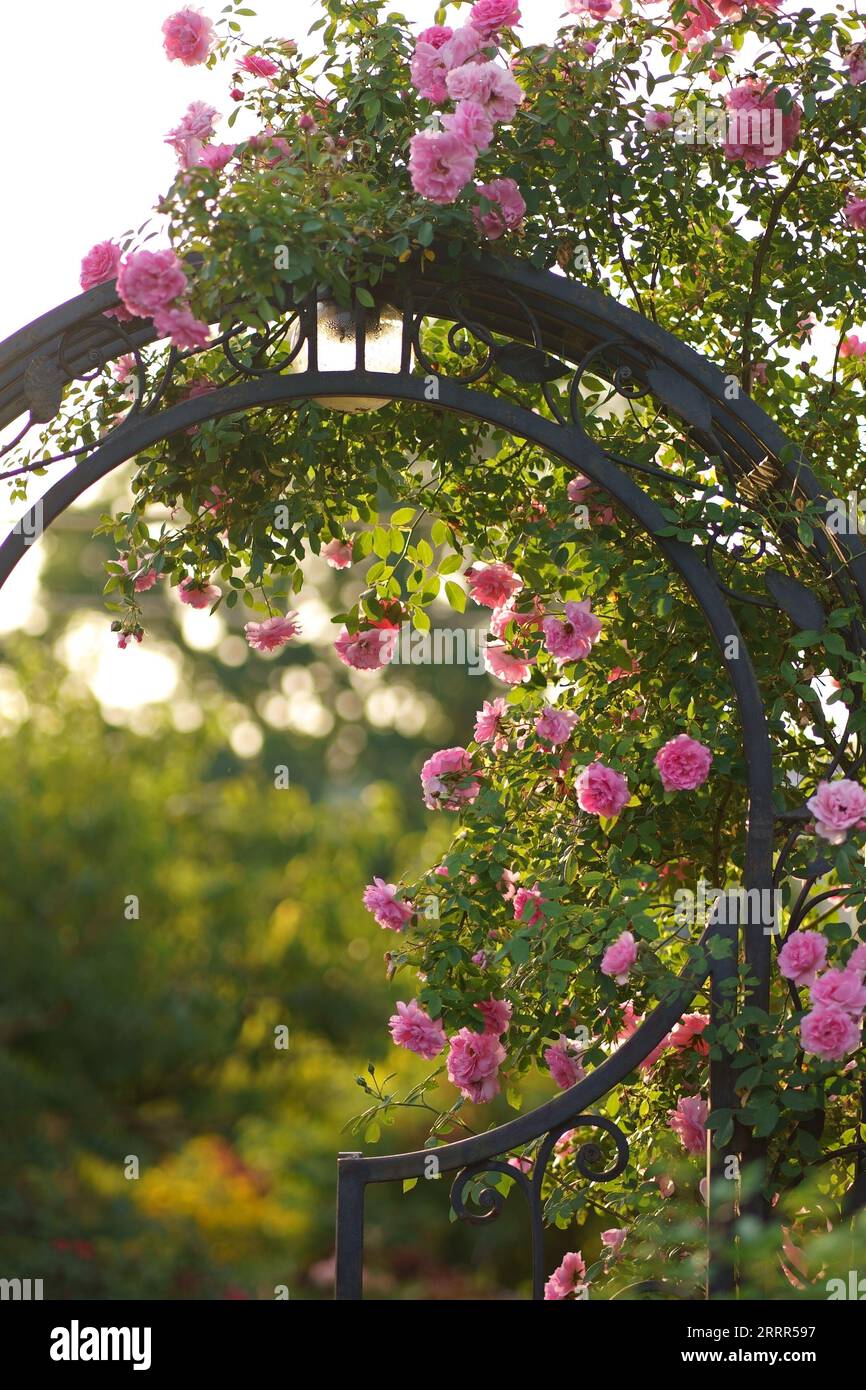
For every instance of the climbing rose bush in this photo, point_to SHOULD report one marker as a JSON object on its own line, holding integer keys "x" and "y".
{"x": 604, "y": 781}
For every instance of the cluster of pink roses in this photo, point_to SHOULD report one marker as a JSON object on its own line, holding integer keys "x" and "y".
{"x": 703, "y": 16}
{"x": 683, "y": 763}
{"x": 853, "y": 346}
{"x": 151, "y": 284}
{"x": 569, "y": 636}
{"x": 474, "y": 1058}
{"x": 758, "y": 131}
{"x": 455, "y": 65}
{"x": 832, "y": 1028}
{"x": 685, "y": 1036}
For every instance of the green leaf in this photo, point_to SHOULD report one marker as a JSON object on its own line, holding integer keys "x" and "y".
{"x": 456, "y": 596}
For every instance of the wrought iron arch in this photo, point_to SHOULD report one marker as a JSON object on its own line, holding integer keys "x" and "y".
{"x": 536, "y": 328}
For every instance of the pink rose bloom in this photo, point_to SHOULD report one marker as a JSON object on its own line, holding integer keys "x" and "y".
{"x": 149, "y": 280}
{"x": 582, "y": 490}
{"x": 852, "y": 346}
{"x": 388, "y": 910}
{"x": 571, "y": 638}
{"x": 655, "y": 121}
{"x": 473, "y": 1065}
{"x": 619, "y": 958}
{"x": 198, "y": 594}
{"x": 414, "y": 1029}
{"x": 124, "y": 368}
{"x": 521, "y": 900}
{"x": 700, "y": 19}
{"x": 614, "y": 1239}
{"x": 837, "y": 807}
{"x": 802, "y": 956}
{"x": 338, "y": 554}
{"x": 759, "y": 131}
{"x": 188, "y": 152}
{"x": 188, "y": 35}
{"x": 448, "y": 781}
{"x": 216, "y": 157}
{"x": 258, "y": 66}
{"x": 504, "y": 665}
{"x": 501, "y": 617}
{"x": 630, "y": 1024}
{"x": 100, "y": 264}
{"x": 428, "y": 70}
{"x": 555, "y": 725}
{"x": 471, "y": 124}
{"x": 143, "y": 581}
{"x": 564, "y": 1063}
{"x": 441, "y": 165}
{"x": 855, "y": 212}
{"x": 855, "y": 62}
{"x": 683, "y": 764}
{"x": 601, "y": 791}
{"x": 201, "y": 387}
{"x": 687, "y": 1033}
{"x": 273, "y": 633}
{"x": 689, "y": 1123}
{"x": 508, "y": 884}
{"x": 488, "y": 719}
{"x": 496, "y": 1014}
{"x": 464, "y": 45}
{"x": 523, "y": 1165}
{"x": 508, "y": 213}
{"x": 492, "y": 86}
{"x": 436, "y": 35}
{"x": 367, "y": 650}
{"x": 489, "y": 16}
{"x": 842, "y": 987}
{"x": 493, "y": 585}
{"x": 567, "y": 1279}
{"x": 187, "y": 333}
{"x": 857, "y": 959}
{"x": 221, "y": 499}
{"x": 197, "y": 123}
{"x": 596, "y": 9}
{"x": 829, "y": 1032}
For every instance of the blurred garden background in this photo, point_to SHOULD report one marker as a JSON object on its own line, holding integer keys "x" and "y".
{"x": 149, "y": 774}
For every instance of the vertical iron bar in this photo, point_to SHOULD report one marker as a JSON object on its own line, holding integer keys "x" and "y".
{"x": 349, "y": 1272}
{"x": 360, "y": 338}
{"x": 311, "y": 318}
{"x": 722, "y": 1187}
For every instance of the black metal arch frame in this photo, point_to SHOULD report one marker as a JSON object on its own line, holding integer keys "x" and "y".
{"x": 536, "y": 328}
